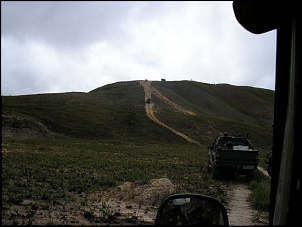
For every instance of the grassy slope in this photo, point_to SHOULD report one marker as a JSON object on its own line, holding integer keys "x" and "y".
{"x": 109, "y": 128}
{"x": 220, "y": 108}
{"x": 109, "y": 112}
{"x": 117, "y": 110}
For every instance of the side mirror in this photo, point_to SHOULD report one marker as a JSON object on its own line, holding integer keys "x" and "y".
{"x": 191, "y": 209}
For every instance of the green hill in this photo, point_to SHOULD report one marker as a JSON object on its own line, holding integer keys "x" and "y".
{"x": 67, "y": 153}
{"x": 118, "y": 111}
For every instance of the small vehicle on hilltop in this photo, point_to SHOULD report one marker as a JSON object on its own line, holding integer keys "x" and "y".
{"x": 232, "y": 155}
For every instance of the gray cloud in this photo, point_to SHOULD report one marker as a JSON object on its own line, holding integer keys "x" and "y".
{"x": 78, "y": 46}
{"x": 63, "y": 23}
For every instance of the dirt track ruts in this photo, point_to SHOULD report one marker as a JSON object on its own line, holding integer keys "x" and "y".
{"x": 240, "y": 212}
{"x": 149, "y": 90}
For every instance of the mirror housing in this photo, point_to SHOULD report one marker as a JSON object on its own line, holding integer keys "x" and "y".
{"x": 191, "y": 209}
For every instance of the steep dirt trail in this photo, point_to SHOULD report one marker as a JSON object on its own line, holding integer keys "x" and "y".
{"x": 174, "y": 106}
{"x": 149, "y": 90}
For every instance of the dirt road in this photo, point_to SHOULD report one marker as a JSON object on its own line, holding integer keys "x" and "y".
{"x": 239, "y": 209}
{"x": 149, "y": 91}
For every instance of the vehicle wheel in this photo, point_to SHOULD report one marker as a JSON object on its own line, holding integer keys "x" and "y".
{"x": 214, "y": 172}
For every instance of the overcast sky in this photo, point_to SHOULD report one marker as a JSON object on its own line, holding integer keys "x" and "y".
{"x": 50, "y": 47}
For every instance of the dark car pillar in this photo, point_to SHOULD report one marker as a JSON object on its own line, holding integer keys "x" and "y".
{"x": 260, "y": 17}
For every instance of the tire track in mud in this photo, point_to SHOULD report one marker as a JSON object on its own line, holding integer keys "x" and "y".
{"x": 149, "y": 90}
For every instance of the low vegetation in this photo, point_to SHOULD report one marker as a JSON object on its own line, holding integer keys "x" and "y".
{"x": 60, "y": 149}
{"x": 260, "y": 187}
{"x": 40, "y": 174}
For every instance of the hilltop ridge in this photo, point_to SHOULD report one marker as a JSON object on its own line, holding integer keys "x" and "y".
{"x": 118, "y": 111}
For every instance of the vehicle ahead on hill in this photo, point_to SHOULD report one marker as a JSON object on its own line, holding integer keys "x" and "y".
{"x": 232, "y": 154}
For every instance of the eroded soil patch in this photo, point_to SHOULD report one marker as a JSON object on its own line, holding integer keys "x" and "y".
{"x": 126, "y": 204}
